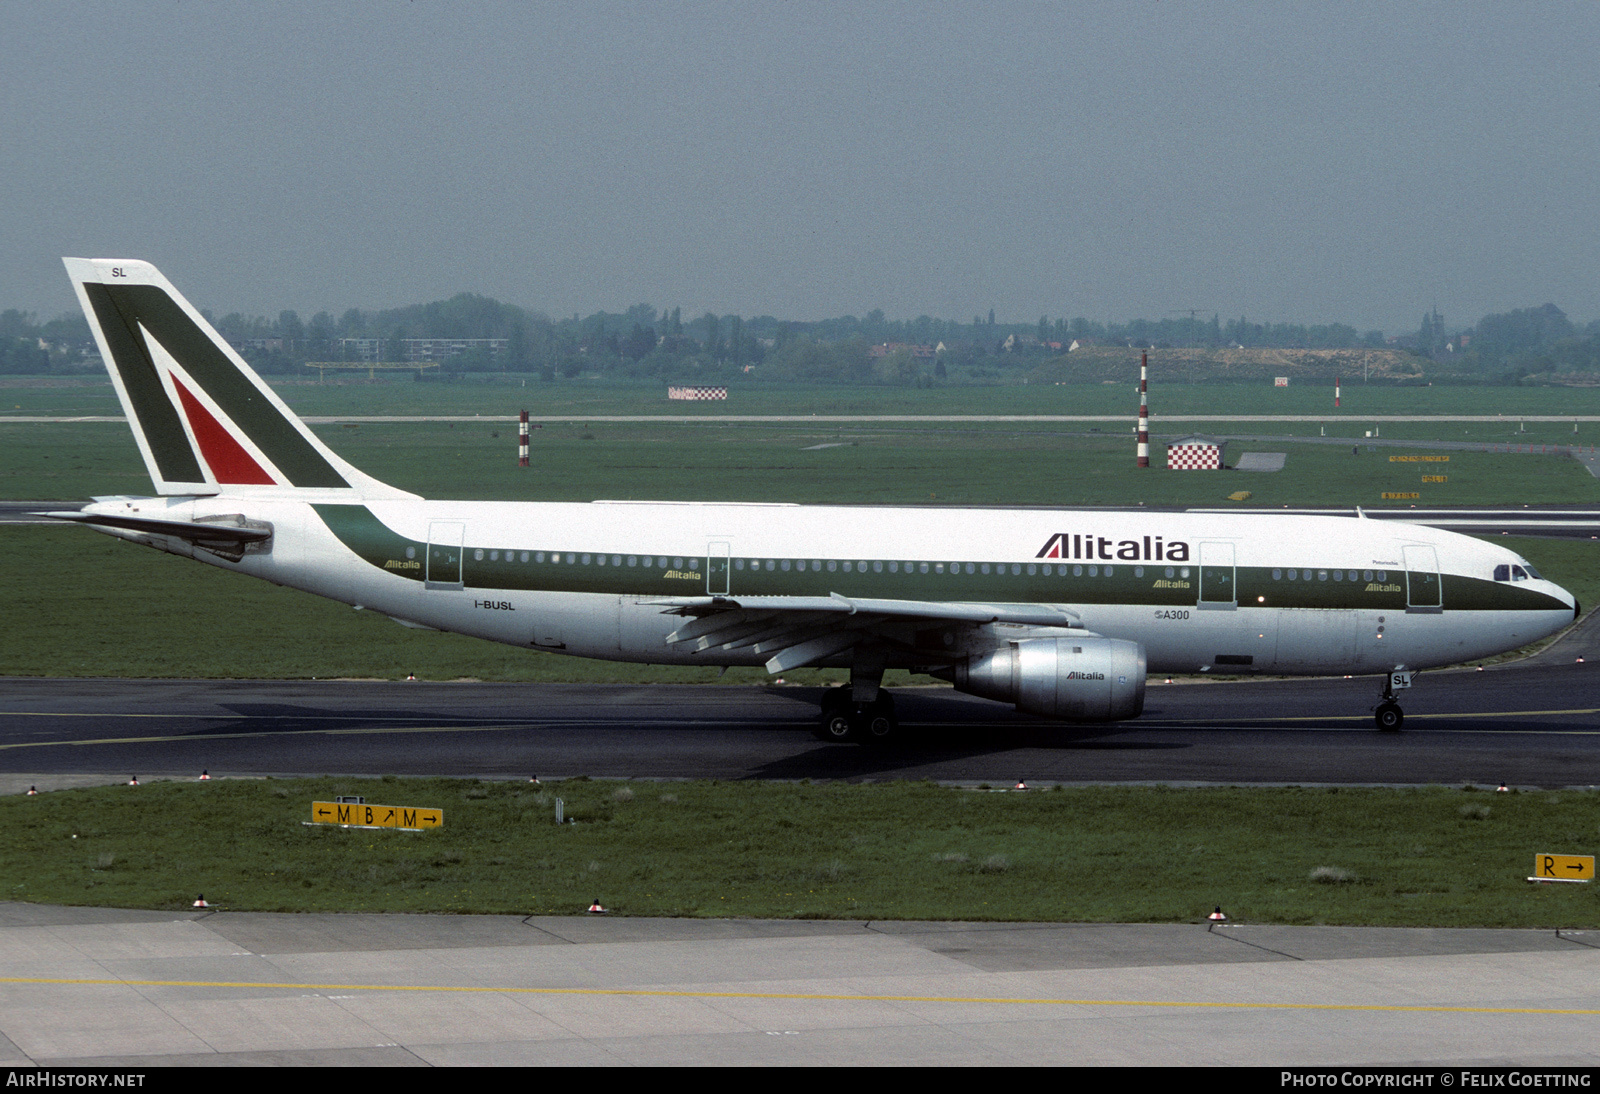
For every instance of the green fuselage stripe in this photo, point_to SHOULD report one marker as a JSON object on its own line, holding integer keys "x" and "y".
{"x": 1128, "y": 583}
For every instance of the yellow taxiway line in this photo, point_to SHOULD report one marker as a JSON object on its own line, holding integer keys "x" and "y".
{"x": 663, "y": 993}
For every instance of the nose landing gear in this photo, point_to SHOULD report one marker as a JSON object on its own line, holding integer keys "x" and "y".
{"x": 1387, "y": 715}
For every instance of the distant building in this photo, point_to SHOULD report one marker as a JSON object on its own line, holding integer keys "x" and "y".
{"x": 438, "y": 349}
{"x": 885, "y": 348}
{"x": 1195, "y": 453}
{"x": 361, "y": 349}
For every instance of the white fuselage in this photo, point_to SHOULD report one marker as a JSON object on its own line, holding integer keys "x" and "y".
{"x": 599, "y": 579}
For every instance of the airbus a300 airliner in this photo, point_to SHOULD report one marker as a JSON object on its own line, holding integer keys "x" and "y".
{"x": 1060, "y": 612}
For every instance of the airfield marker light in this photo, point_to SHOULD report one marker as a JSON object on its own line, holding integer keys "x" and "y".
{"x": 1021, "y": 785}
{"x": 1217, "y": 916}
{"x": 200, "y": 901}
{"x": 1501, "y": 789}
{"x": 33, "y": 791}
{"x": 522, "y": 441}
{"x": 1143, "y": 457}
{"x": 595, "y": 908}
{"x": 205, "y": 776}
{"x": 1336, "y": 391}
{"x": 133, "y": 780}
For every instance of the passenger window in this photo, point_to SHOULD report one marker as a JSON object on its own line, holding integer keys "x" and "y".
{"x": 1032, "y": 569}
{"x": 1016, "y": 568}
{"x": 586, "y": 559}
{"x": 986, "y": 567}
{"x": 786, "y": 565}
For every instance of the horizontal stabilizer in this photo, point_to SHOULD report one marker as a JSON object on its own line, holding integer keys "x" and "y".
{"x": 225, "y": 538}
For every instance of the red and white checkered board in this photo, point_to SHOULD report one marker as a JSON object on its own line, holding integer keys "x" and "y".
{"x": 1194, "y": 457}
{"x": 697, "y": 393}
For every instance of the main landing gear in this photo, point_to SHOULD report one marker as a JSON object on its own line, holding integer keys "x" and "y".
{"x": 861, "y": 711}
{"x": 845, "y": 721}
{"x": 1387, "y": 715}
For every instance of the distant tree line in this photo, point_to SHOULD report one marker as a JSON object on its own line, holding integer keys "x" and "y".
{"x": 644, "y": 343}
{"x": 1521, "y": 345}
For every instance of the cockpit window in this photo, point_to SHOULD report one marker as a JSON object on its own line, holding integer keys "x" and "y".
{"x": 1518, "y": 574}
{"x": 1531, "y": 571}
{"x": 1502, "y": 572}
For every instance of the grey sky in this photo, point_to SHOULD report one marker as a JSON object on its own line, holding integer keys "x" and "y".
{"x": 1354, "y": 162}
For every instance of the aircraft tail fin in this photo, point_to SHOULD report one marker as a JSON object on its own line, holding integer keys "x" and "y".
{"x": 205, "y": 422}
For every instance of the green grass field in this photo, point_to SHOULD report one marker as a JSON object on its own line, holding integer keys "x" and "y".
{"x": 1435, "y": 857}
{"x": 946, "y": 463}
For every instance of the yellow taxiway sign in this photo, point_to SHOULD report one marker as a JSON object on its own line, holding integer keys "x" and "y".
{"x": 1563, "y": 868}
{"x": 375, "y": 816}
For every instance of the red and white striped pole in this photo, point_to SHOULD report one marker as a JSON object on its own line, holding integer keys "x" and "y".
{"x": 522, "y": 441}
{"x": 1336, "y": 391}
{"x": 1144, "y": 410}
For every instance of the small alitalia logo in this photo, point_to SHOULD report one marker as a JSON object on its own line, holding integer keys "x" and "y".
{"x": 1099, "y": 548}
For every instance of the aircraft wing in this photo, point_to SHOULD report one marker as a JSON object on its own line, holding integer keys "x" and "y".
{"x": 802, "y": 630}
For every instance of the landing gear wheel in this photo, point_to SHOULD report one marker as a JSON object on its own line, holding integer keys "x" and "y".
{"x": 1389, "y": 717}
{"x": 877, "y": 721}
{"x": 837, "y": 723}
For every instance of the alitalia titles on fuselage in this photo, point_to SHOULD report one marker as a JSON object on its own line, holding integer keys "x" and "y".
{"x": 1076, "y": 545}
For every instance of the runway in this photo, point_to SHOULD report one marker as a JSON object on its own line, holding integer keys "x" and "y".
{"x": 1531, "y": 725}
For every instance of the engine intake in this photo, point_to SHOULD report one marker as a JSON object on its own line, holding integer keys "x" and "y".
{"x": 1078, "y": 679}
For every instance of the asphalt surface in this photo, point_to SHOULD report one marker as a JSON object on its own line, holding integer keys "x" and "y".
{"x": 1531, "y": 724}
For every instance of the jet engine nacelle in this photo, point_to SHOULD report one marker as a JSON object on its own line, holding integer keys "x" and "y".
{"x": 1079, "y": 679}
